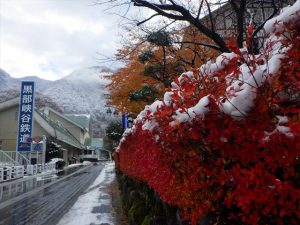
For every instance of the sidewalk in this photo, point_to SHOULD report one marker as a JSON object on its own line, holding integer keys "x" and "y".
{"x": 100, "y": 204}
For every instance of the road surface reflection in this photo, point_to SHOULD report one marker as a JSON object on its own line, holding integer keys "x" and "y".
{"x": 15, "y": 188}
{"x": 47, "y": 202}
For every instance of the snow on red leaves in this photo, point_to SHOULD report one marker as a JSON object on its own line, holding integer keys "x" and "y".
{"x": 225, "y": 140}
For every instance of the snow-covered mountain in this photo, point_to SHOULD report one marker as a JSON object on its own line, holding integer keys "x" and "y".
{"x": 83, "y": 91}
{"x": 6, "y": 81}
{"x": 9, "y": 83}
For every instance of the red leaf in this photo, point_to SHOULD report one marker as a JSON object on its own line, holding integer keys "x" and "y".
{"x": 249, "y": 34}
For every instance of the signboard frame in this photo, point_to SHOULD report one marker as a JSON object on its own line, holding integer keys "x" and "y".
{"x": 25, "y": 117}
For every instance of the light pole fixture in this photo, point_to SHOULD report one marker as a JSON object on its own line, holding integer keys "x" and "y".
{"x": 108, "y": 111}
{"x": 116, "y": 113}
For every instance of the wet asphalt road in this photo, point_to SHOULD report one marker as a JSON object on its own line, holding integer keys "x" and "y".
{"x": 46, "y": 205}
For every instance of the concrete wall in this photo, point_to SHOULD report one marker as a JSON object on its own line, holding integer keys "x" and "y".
{"x": 8, "y": 128}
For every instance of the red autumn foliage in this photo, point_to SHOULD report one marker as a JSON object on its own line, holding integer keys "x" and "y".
{"x": 242, "y": 171}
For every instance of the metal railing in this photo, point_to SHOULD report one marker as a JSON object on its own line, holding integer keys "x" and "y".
{"x": 21, "y": 159}
{"x": 13, "y": 158}
{"x": 8, "y": 173}
{"x": 6, "y": 159}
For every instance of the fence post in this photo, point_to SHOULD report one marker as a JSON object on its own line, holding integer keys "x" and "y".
{"x": 1, "y": 174}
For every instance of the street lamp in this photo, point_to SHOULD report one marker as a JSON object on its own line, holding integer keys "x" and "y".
{"x": 116, "y": 113}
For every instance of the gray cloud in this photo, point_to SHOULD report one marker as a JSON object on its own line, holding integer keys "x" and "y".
{"x": 51, "y": 38}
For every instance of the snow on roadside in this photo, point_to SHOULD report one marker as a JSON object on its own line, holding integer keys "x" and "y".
{"x": 94, "y": 205}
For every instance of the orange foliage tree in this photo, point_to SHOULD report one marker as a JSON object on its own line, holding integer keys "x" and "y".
{"x": 192, "y": 53}
{"x": 127, "y": 80}
{"x": 151, "y": 64}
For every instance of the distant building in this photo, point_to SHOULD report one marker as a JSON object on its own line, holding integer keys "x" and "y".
{"x": 223, "y": 18}
{"x": 80, "y": 132}
{"x": 84, "y": 120}
{"x": 61, "y": 132}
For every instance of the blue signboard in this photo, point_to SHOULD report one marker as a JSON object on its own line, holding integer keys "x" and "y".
{"x": 125, "y": 120}
{"x": 25, "y": 116}
{"x": 37, "y": 147}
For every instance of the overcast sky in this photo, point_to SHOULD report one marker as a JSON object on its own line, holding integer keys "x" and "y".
{"x": 51, "y": 38}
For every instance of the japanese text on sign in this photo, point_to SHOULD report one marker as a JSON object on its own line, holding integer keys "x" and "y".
{"x": 25, "y": 116}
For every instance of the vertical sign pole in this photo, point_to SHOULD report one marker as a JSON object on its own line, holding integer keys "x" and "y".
{"x": 44, "y": 149}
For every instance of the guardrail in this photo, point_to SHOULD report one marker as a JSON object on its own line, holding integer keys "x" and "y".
{"x": 13, "y": 172}
{"x": 88, "y": 156}
{"x": 17, "y": 172}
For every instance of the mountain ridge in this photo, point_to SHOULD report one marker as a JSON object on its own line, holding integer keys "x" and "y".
{"x": 82, "y": 91}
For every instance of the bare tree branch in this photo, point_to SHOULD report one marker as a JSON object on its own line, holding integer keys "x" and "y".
{"x": 183, "y": 15}
{"x": 275, "y": 10}
{"x": 139, "y": 23}
{"x": 199, "y": 43}
{"x": 240, "y": 19}
{"x": 199, "y": 10}
{"x": 210, "y": 17}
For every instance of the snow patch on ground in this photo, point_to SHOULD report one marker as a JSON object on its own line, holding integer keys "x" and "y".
{"x": 74, "y": 165}
{"x": 94, "y": 205}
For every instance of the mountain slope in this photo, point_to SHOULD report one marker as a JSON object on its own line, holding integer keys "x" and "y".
{"x": 80, "y": 92}
{"x": 6, "y": 81}
{"x": 83, "y": 91}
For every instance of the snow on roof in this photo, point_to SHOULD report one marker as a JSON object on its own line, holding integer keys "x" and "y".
{"x": 10, "y": 103}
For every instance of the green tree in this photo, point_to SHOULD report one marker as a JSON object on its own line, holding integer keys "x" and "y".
{"x": 114, "y": 132}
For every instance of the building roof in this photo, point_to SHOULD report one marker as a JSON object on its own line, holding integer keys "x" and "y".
{"x": 62, "y": 116}
{"x": 10, "y": 103}
{"x": 61, "y": 133}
